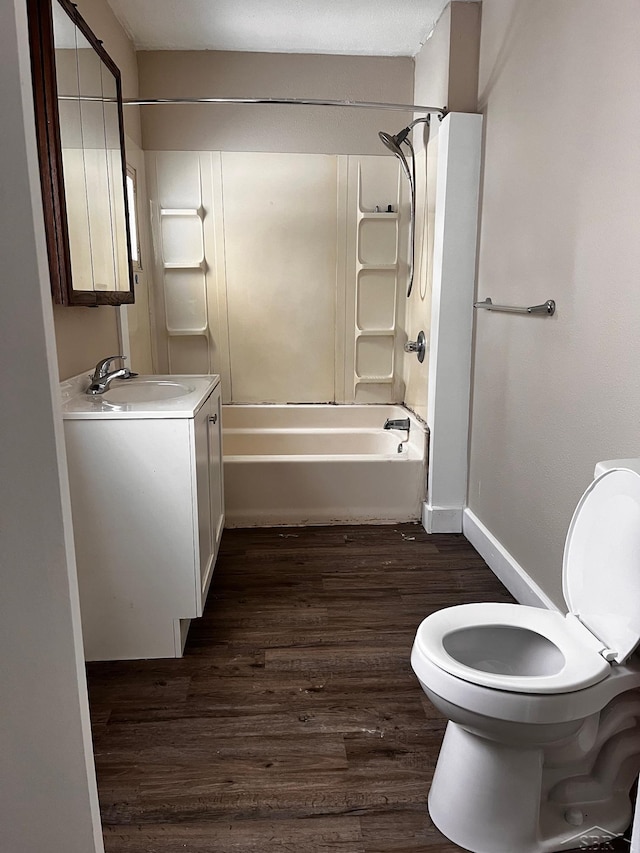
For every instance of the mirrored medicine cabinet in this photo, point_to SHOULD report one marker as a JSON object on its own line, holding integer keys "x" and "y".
{"x": 80, "y": 135}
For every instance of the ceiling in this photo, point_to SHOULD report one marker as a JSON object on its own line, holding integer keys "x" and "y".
{"x": 358, "y": 27}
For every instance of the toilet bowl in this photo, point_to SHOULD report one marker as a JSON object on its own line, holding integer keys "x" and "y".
{"x": 543, "y": 741}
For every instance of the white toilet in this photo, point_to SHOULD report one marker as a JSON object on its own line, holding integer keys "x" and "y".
{"x": 543, "y": 743}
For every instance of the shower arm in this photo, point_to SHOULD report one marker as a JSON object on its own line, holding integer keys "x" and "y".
{"x": 402, "y": 136}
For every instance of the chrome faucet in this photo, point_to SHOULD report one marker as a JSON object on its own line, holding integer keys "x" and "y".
{"x": 398, "y": 423}
{"x": 102, "y": 378}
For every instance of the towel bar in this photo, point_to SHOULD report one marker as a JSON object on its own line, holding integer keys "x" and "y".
{"x": 548, "y": 307}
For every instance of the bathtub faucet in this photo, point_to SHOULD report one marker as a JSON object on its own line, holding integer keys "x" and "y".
{"x": 398, "y": 423}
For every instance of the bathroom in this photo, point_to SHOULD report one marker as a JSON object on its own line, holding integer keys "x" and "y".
{"x": 550, "y": 396}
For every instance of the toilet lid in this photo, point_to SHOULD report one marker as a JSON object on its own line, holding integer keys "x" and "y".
{"x": 601, "y": 564}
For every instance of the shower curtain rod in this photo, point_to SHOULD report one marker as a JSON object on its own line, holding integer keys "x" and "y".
{"x": 311, "y": 102}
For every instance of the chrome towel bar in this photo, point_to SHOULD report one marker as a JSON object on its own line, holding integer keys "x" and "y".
{"x": 548, "y": 307}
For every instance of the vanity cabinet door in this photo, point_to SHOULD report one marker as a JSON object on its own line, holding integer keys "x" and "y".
{"x": 203, "y": 502}
{"x": 208, "y": 458}
{"x": 216, "y": 469}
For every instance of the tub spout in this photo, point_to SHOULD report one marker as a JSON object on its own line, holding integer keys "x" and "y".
{"x": 398, "y": 423}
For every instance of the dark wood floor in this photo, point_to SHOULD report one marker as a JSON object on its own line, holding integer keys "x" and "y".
{"x": 294, "y": 722}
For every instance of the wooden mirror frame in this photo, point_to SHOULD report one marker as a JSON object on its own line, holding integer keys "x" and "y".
{"x": 43, "y": 68}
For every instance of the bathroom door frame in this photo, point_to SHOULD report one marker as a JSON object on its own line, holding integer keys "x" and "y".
{"x": 50, "y": 797}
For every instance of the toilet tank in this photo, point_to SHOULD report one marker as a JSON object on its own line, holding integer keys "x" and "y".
{"x": 608, "y": 464}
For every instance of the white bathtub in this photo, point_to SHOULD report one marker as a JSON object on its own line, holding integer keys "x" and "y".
{"x": 321, "y": 464}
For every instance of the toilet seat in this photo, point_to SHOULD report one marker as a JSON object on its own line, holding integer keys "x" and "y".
{"x": 546, "y": 651}
{"x": 534, "y": 708}
{"x": 520, "y": 649}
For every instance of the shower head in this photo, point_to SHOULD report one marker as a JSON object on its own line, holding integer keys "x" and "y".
{"x": 393, "y": 144}
{"x": 390, "y": 142}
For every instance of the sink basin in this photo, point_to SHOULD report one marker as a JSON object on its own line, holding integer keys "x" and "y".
{"x": 168, "y": 395}
{"x": 145, "y": 391}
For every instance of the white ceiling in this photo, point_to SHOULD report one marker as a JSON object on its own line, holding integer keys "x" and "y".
{"x": 360, "y": 27}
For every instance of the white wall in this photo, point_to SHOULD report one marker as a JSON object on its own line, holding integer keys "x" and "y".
{"x": 280, "y": 219}
{"x": 560, "y": 220}
{"x": 173, "y": 131}
{"x": 277, "y": 272}
{"x": 49, "y": 800}
{"x": 456, "y": 225}
{"x": 446, "y": 68}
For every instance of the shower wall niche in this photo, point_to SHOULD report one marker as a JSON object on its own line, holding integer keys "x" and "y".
{"x": 281, "y": 272}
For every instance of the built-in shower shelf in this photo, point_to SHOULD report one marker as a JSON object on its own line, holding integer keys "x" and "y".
{"x": 362, "y": 266}
{"x": 382, "y": 214}
{"x": 182, "y": 211}
{"x": 181, "y": 332}
{"x": 374, "y": 380}
{"x": 374, "y": 333}
{"x": 185, "y": 265}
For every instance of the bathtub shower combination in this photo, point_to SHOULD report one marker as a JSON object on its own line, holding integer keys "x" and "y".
{"x": 322, "y": 464}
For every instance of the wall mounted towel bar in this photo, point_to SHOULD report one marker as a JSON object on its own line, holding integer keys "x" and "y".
{"x": 548, "y": 307}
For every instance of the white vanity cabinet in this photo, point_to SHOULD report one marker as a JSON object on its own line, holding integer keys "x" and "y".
{"x": 207, "y": 429}
{"x": 147, "y": 503}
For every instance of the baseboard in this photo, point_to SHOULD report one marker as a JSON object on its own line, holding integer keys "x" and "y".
{"x": 441, "y": 519}
{"x": 519, "y": 583}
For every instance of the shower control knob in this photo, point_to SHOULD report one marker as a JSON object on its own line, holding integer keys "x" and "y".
{"x": 418, "y": 346}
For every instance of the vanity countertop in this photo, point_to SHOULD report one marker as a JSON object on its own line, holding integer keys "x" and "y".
{"x": 120, "y": 401}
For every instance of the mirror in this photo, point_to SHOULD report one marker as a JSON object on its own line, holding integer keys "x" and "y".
{"x": 78, "y": 106}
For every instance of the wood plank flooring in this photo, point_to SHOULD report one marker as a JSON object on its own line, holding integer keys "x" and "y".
{"x": 294, "y": 721}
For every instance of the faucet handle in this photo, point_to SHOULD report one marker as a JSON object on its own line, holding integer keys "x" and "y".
{"x": 418, "y": 346}
{"x": 102, "y": 367}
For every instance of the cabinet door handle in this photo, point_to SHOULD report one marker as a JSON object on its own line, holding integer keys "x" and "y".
{"x": 213, "y": 419}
